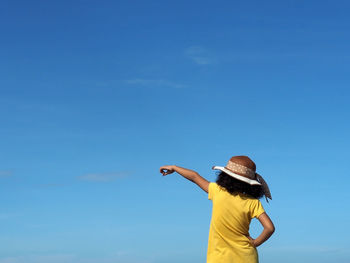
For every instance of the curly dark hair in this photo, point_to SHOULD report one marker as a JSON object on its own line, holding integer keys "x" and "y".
{"x": 233, "y": 186}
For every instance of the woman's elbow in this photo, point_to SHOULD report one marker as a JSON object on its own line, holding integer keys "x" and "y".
{"x": 271, "y": 229}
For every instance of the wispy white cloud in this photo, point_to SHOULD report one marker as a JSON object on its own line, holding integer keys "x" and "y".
{"x": 7, "y": 215}
{"x": 70, "y": 258}
{"x": 200, "y": 55}
{"x": 155, "y": 83}
{"x": 103, "y": 177}
{"x": 308, "y": 249}
{"x": 39, "y": 259}
{"x": 52, "y": 185}
{"x": 5, "y": 174}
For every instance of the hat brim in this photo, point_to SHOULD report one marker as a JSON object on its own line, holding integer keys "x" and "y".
{"x": 237, "y": 176}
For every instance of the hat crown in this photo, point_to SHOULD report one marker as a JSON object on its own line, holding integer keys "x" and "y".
{"x": 244, "y": 161}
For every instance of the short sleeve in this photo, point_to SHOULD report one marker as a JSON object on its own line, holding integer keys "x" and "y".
{"x": 212, "y": 189}
{"x": 257, "y": 209}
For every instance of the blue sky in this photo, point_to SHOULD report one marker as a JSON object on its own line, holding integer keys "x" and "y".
{"x": 97, "y": 95}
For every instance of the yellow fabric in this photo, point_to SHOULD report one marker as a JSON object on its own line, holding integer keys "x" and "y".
{"x": 229, "y": 226}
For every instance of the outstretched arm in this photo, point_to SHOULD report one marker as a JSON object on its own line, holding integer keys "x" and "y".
{"x": 269, "y": 228}
{"x": 188, "y": 174}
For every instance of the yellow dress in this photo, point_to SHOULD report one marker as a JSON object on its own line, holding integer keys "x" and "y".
{"x": 229, "y": 226}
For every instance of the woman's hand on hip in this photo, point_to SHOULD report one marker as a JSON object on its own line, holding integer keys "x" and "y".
{"x": 252, "y": 241}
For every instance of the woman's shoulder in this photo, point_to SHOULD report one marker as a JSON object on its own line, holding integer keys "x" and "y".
{"x": 214, "y": 189}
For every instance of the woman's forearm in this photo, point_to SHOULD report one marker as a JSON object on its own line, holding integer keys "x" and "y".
{"x": 265, "y": 235}
{"x": 187, "y": 173}
{"x": 191, "y": 175}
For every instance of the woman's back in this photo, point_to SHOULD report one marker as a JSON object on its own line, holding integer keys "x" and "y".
{"x": 229, "y": 228}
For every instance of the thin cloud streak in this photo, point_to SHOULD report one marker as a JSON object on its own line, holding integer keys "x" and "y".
{"x": 39, "y": 259}
{"x": 51, "y": 185}
{"x": 103, "y": 177}
{"x": 155, "y": 82}
{"x": 7, "y": 215}
{"x": 4, "y": 174}
{"x": 308, "y": 249}
{"x": 199, "y": 55}
{"x": 71, "y": 258}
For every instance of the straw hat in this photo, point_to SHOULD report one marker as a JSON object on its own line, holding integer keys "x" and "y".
{"x": 243, "y": 168}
